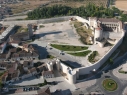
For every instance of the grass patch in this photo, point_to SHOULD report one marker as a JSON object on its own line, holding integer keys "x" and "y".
{"x": 19, "y": 19}
{"x": 122, "y": 72}
{"x": 21, "y": 29}
{"x": 41, "y": 26}
{"x": 77, "y": 24}
{"x": 109, "y": 85}
{"x": 42, "y": 84}
{"x": 1, "y": 74}
{"x": 50, "y": 56}
{"x": 92, "y": 56}
{"x": 69, "y": 48}
{"x": 85, "y": 53}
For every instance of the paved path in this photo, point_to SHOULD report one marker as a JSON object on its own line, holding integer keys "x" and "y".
{"x": 97, "y": 87}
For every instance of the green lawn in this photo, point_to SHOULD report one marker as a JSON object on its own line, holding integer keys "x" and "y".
{"x": 41, "y": 26}
{"x": 109, "y": 85}
{"x": 77, "y": 24}
{"x": 85, "y": 53}
{"x": 69, "y": 48}
{"x": 121, "y": 71}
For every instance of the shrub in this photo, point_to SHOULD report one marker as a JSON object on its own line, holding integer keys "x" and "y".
{"x": 92, "y": 56}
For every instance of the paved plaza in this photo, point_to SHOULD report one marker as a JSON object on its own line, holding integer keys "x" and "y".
{"x": 61, "y": 32}
{"x": 62, "y": 83}
{"x": 29, "y": 81}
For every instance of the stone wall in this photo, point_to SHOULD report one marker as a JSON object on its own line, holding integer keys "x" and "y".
{"x": 86, "y": 70}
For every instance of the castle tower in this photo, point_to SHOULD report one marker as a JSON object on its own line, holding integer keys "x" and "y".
{"x": 71, "y": 76}
{"x": 58, "y": 64}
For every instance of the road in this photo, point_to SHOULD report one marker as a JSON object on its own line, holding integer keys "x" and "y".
{"x": 108, "y": 72}
{"x": 15, "y": 18}
{"x": 100, "y": 76}
{"x": 45, "y": 49}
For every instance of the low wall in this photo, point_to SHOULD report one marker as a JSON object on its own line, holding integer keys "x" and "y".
{"x": 50, "y": 20}
{"x": 86, "y": 70}
{"x": 82, "y": 20}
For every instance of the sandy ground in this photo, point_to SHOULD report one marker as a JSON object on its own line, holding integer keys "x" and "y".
{"x": 121, "y": 4}
{"x": 61, "y": 32}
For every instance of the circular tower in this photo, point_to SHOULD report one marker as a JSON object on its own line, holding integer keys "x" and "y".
{"x": 98, "y": 34}
{"x": 71, "y": 76}
{"x": 58, "y": 64}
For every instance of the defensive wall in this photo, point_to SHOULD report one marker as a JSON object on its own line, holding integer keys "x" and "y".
{"x": 82, "y": 70}
{"x": 50, "y": 20}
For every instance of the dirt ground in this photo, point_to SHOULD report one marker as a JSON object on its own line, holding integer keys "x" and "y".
{"x": 121, "y": 4}
{"x": 78, "y": 4}
{"x": 32, "y": 4}
{"x": 26, "y": 5}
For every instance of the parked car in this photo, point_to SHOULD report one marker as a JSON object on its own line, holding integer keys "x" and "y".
{"x": 24, "y": 89}
{"x": 107, "y": 76}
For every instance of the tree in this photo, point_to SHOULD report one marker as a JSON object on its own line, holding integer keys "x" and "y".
{"x": 111, "y": 61}
{"x": 1, "y": 85}
{"x": 45, "y": 82}
{"x": 88, "y": 11}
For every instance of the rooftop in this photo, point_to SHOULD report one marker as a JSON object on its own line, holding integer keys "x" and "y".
{"x": 27, "y": 63}
{"x": 7, "y": 31}
{"x": 108, "y": 20}
{"x": 32, "y": 70}
{"x": 44, "y": 91}
{"x": 47, "y": 72}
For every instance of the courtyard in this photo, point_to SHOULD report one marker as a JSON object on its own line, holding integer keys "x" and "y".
{"x": 64, "y": 33}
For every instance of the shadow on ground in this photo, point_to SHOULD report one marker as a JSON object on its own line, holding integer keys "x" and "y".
{"x": 49, "y": 33}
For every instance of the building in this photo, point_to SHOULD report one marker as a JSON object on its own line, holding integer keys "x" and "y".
{"x": 4, "y": 36}
{"x": 42, "y": 67}
{"x": 3, "y": 65}
{"x": 33, "y": 71}
{"x": 44, "y": 91}
{"x": 12, "y": 73}
{"x": 2, "y": 47}
{"x": 22, "y": 36}
{"x": 27, "y": 65}
{"x": 47, "y": 74}
{"x": 25, "y": 52}
{"x": 102, "y": 27}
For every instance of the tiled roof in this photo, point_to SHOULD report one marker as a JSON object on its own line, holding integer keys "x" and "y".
{"x": 26, "y": 63}
{"x": 13, "y": 50}
{"x": 42, "y": 67}
{"x": 108, "y": 20}
{"x": 15, "y": 74}
{"x": 3, "y": 64}
{"x": 12, "y": 67}
{"x": 3, "y": 77}
{"x": 47, "y": 73}
{"x": 32, "y": 70}
{"x": 2, "y": 56}
{"x": 44, "y": 91}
